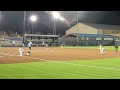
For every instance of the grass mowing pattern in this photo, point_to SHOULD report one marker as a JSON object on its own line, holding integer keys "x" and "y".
{"x": 61, "y": 70}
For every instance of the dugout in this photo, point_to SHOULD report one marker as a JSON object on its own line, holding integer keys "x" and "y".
{"x": 89, "y": 39}
{"x": 41, "y": 40}
{"x": 8, "y": 41}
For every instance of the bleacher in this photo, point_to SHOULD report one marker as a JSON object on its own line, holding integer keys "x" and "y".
{"x": 8, "y": 41}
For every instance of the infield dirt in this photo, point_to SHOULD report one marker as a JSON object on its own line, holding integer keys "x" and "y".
{"x": 11, "y": 54}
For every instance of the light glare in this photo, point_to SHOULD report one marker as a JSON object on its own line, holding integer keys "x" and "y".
{"x": 56, "y": 15}
{"x": 62, "y": 19}
{"x": 33, "y": 18}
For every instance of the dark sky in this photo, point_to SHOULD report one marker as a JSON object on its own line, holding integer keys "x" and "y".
{"x": 13, "y": 20}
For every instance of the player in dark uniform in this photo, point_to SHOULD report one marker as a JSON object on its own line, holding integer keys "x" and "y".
{"x": 28, "y": 53}
{"x": 116, "y": 48}
{"x": 30, "y": 45}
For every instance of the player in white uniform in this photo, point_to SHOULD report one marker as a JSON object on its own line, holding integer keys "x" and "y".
{"x": 61, "y": 45}
{"x": 13, "y": 43}
{"x": 21, "y": 51}
{"x": 46, "y": 46}
{"x": 23, "y": 45}
{"x": 101, "y": 49}
{"x": 43, "y": 43}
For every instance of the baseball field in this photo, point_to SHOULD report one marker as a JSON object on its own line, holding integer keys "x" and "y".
{"x": 60, "y": 63}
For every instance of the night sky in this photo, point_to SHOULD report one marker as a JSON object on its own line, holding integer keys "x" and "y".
{"x": 13, "y": 20}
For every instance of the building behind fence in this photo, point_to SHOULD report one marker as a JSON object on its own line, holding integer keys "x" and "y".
{"x": 89, "y": 34}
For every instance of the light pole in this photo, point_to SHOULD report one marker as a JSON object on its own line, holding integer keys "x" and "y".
{"x": 33, "y": 18}
{"x": 24, "y": 22}
{"x": 56, "y": 15}
{"x": 77, "y": 27}
{"x": 24, "y": 26}
{"x": 0, "y": 17}
{"x": 32, "y": 28}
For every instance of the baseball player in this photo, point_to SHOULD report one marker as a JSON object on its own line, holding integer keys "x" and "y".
{"x": 28, "y": 53}
{"x": 21, "y": 51}
{"x": 13, "y": 43}
{"x": 61, "y": 45}
{"x": 101, "y": 49}
{"x": 23, "y": 44}
{"x": 30, "y": 45}
{"x": 43, "y": 43}
{"x": 46, "y": 46}
{"x": 116, "y": 48}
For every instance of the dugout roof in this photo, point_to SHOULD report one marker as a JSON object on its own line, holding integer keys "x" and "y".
{"x": 41, "y": 35}
{"x": 89, "y": 35}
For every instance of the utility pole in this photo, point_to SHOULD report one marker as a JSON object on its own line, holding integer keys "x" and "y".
{"x": 16, "y": 34}
{"x": 54, "y": 30}
{"x": 32, "y": 28}
{"x": 24, "y": 26}
{"x": 0, "y": 17}
{"x": 0, "y": 21}
{"x": 77, "y": 27}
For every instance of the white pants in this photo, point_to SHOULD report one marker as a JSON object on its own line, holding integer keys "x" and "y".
{"x": 21, "y": 53}
{"x": 101, "y": 51}
{"x": 28, "y": 54}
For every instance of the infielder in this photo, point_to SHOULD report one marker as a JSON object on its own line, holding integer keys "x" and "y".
{"x": 13, "y": 43}
{"x": 101, "y": 49}
{"x": 46, "y": 46}
{"x": 28, "y": 53}
{"x": 61, "y": 45}
{"x": 30, "y": 45}
{"x": 21, "y": 51}
{"x": 116, "y": 48}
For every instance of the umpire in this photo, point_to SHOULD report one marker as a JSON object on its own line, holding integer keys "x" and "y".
{"x": 116, "y": 48}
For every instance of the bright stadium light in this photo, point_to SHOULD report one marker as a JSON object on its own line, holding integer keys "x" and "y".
{"x": 33, "y": 18}
{"x": 62, "y": 19}
{"x": 56, "y": 15}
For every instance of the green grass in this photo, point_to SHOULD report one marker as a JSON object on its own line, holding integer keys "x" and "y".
{"x": 79, "y": 69}
{"x": 84, "y": 69}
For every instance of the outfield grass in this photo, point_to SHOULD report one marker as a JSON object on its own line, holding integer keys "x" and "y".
{"x": 84, "y": 69}
{"x": 79, "y": 69}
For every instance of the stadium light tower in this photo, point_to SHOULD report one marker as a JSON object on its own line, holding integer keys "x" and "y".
{"x": 24, "y": 19}
{"x": 33, "y": 18}
{"x": 56, "y": 15}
